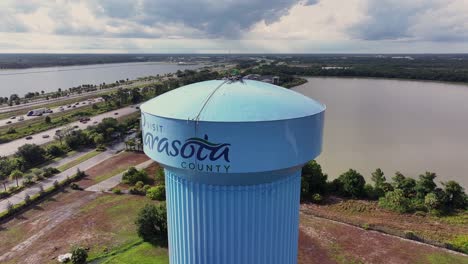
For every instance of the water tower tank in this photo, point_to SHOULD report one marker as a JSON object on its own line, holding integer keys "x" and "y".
{"x": 232, "y": 151}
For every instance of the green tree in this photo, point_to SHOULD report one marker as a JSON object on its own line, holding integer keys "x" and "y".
{"x": 380, "y": 184}
{"x": 406, "y": 184}
{"x": 47, "y": 120}
{"x": 77, "y": 139}
{"x": 151, "y": 223}
{"x": 313, "y": 179}
{"x": 16, "y": 175}
{"x": 378, "y": 178}
{"x": 136, "y": 95}
{"x": 79, "y": 255}
{"x": 456, "y": 196}
{"x": 398, "y": 180}
{"x": 425, "y": 184}
{"x": 352, "y": 184}
{"x": 31, "y": 154}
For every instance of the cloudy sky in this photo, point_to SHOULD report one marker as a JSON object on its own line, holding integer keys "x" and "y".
{"x": 237, "y": 26}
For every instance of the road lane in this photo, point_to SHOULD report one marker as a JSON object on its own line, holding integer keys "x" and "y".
{"x": 47, "y": 136}
{"x": 65, "y": 108}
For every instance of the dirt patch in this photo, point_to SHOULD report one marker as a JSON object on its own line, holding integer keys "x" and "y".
{"x": 94, "y": 220}
{"x": 326, "y": 241}
{"x": 111, "y": 166}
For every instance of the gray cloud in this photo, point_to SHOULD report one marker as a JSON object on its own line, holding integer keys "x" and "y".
{"x": 412, "y": 20}
{"x": 213, "y": 18}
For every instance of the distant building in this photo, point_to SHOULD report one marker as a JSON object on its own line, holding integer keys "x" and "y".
{"x": 263, "y": 78}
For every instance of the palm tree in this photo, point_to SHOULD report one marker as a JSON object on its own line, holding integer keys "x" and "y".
{"x": 15, "y": 175}
{"x": 3, "y": 180}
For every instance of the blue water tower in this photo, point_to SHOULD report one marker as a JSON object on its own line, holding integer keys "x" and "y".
{"x": 232, "y": 151}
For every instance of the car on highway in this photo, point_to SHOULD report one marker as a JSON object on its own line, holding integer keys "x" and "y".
{"x": 45, "y": 136}
{"x": 95, "y": 122}
{"x": 76, "y": 126}
{"x": 9, "y": 122}
{"x": 29, "y": 137}
{"x": 68, "y": 106}
{"x": 13, "y": 117}
{"x": 21, "y": 118}
{"x": 116, "y": 113}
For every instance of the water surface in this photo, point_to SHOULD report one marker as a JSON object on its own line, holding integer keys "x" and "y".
{"x": 406, "y": 126}
{"x": 51, "y": 78}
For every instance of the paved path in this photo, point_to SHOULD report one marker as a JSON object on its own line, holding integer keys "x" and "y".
{"x": 110, "y": 183}
{"x": 54, "y": 164}
{"x": 19, "y": 197}
{"x": 11, "y": 147}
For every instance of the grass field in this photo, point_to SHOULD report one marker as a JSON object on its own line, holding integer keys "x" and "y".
{"x": 79, "y": 160}
{"x": 451, "y": 229}
{"x": 143, "y": 253}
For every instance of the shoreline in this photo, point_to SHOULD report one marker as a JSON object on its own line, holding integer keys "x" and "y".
{"x": 384, "y": 78}
{"x": 99, "y": 66}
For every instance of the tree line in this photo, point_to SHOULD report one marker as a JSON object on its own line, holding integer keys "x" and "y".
{"x": 402, "y": 194}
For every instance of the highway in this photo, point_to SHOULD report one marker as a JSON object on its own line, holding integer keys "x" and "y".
{"x": 47, "y": 136}
{"x": 4, "y": 122}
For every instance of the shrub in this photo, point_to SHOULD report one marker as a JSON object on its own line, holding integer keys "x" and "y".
{"x": 411, "y": 235}
{"x": 50, "y": 171}
{"x": 28, "y": 179}
{"x": 117, "y": 191}
{"x": 55, "y": 150}
{"x": 132, "y": 176}
{"x": 151, "y": 223}
{"x": 27, "y": 199}
{"x": 79, "y": 255}
{"x": 160, "y": 175}
{"x": 79, "y": 174}
{"x": 157, "y": 193}
{"x": 56, "y": 184}
{"x": 137, "y": 191}
{"x": 10, "y": 207}
{"x": 396, "y": 201}
{"x": 13, "y": 189}
{"x": 11, "y": 130}
{"x": 75, "y": 186}
{"x": 317, "y": 198}
{"x": 101, "y": 147}
{"x": 431, "y": 202}
{"x": 139, "y": 185}
{"x": 365, "y": 226}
